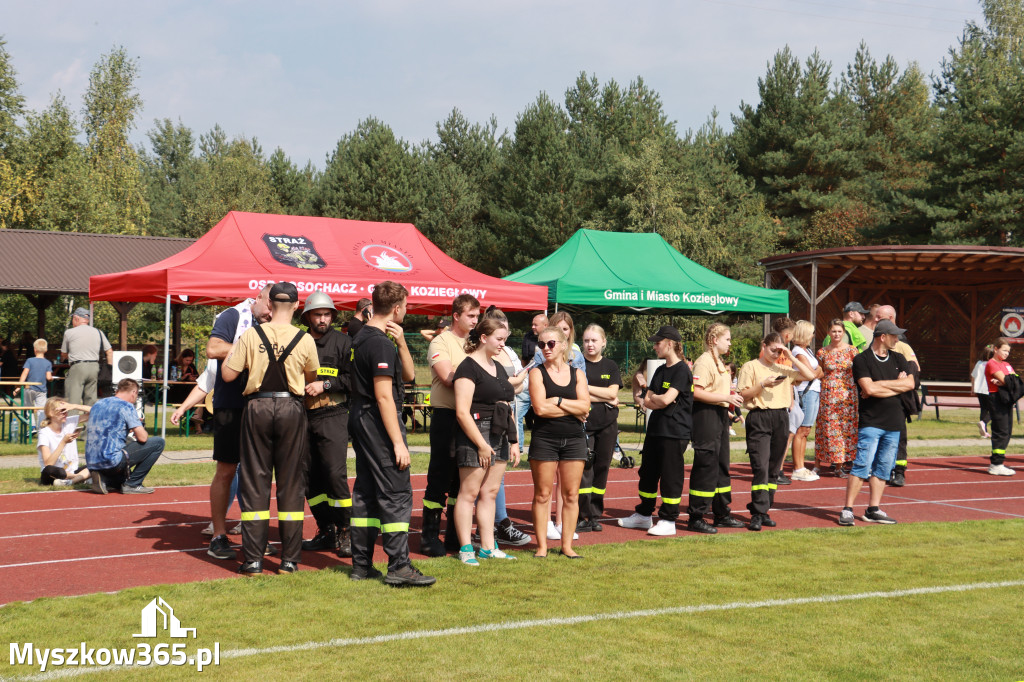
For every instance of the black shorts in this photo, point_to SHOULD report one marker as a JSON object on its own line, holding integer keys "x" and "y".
{"x": 227, "y": 435}
{"x": 466, "y": 453}
{"x": 558, "y": 448}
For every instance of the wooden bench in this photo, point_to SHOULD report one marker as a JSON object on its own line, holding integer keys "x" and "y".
{"x": 951, "y": 394}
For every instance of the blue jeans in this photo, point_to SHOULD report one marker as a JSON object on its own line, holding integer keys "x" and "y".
{"x": 138, "y": 460}
{"x": 522, "y": 407}
{"x": 500, "y": 513}
{"x": 876, "y": 453}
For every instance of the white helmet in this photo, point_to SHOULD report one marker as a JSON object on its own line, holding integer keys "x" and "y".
{"x": 318, "y": 300}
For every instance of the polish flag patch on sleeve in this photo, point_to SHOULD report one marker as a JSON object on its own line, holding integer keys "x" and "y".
{"x": 382, "y": 365}
{"x": 435, "y": 356}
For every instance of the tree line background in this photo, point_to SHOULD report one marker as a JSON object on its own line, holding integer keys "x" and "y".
{"x": 871, "y": 153}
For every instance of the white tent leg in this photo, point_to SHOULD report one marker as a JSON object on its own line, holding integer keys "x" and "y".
{"x": 167, "y": 363}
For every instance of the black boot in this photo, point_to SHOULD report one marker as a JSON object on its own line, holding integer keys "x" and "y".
{"x": 430, "y": 542}
{"x": 898, "y": 479}
{"x": 451, "y": 537}
{"x": 325, "y": 538}
{"x": 344, "y": 546}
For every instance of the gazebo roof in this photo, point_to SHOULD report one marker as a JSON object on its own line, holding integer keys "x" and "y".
{"x": 911, "y": 266}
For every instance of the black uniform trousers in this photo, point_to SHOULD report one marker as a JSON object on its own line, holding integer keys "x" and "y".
{"x": 595, "y": 479}
{"x": 710, "y": 483}
{"x": 275, "y": 445}
{"x": 1001, "y": 429}
{"x": 328, "y": 494}
{"x": 382, "y": 494}
{"x": 767, "y": 435}
{"x": 662, "y": 461}
{"x": 442, "y": 472}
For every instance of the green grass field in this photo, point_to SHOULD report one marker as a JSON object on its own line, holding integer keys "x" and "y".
{"x": 957, "y": 635}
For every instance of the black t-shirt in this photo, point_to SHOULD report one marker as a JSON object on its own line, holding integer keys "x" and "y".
{"x": 603, "y": 373}
{"x": 489, "y": 390}
{"x": 228, "y": 394}
{"x": 675, "y": 419}
{"x": 566, "y": 425}
{"x": 374, "y": 355}
{"x": 880, "y": 413}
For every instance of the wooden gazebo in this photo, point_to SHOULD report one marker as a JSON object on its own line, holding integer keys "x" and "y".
{"x": 950, "y": 298}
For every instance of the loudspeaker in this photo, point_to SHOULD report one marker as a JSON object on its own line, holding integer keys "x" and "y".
{"x": 127, "y": 365}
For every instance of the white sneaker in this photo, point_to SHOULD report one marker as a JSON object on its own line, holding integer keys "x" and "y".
{"x": 62, "y": 483}
{"x": 575, "y": 536}
{"x": 208, "y": 530}
{"x": 804, "y": 474}
{"x": 553, "y": 532}
{"x": 237, "y": 530}
{"x": 1001, "y": 470}
{"x": 732, "y": 431}
{"x": 663, "y": 527}
{"x": 638, "y": 521}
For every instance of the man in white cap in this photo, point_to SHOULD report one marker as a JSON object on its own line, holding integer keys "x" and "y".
{"x": 82, "y": 346}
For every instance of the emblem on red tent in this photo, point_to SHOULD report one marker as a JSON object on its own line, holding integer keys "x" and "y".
{"x": 385, "y": 258}
{"x": 296, "y": 252}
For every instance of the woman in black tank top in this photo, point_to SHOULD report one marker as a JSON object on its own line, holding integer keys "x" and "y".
{"x": 561, "y": 403}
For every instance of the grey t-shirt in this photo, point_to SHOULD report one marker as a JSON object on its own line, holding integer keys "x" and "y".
{"x": 82, "y": 343}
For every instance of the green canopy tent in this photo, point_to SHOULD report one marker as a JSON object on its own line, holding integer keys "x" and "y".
{"x": 631, "y": 272}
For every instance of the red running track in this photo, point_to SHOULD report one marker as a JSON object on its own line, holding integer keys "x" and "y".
{"x": 76, "y": 542}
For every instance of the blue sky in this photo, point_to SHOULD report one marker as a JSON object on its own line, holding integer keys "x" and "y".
{"x": 299, "y": 75}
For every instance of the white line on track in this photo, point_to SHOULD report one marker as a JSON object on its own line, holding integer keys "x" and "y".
{"x": 736, "y": 493}
{"x": 506, "y": 626}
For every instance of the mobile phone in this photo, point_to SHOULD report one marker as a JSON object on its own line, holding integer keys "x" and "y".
{"x": 780, "y": 377}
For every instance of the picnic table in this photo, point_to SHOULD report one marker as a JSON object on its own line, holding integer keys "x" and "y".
{"x": 9, "y": 412}
{"x": 154, "y": 386}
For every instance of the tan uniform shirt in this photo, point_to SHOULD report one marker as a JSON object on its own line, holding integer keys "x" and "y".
{"x": 771, "y": 397}
{"x": 445, "y": 346}
{"x": 712, "y": 376}
{"x": 250, "y": 354}
{"x": 904, "y": 349}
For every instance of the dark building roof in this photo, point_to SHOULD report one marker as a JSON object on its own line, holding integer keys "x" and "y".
{"x": 911, "y": 266}
{"x": 38, "y": 262}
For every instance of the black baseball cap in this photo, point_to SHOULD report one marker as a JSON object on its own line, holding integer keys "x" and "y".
{"x": 855, "y": 307}
{"x": 284, "y": 292}
{"x": 666, "y": 332}
{"x": 887, "y": 327}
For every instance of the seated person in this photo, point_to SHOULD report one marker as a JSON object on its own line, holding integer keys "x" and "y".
{"x": 187, "y": 366}
{"x": 58, "y": 447}
{"x": 149, "y": 353}
{"x": 119, "y": 452}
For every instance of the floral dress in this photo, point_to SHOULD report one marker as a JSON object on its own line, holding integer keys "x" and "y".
{"x": 835, "y": 431}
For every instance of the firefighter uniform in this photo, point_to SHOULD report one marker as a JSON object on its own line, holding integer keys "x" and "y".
{"x": 274, "y": 436}
{"x": 668, "y": 434}
{"x": 328, "y": 493}
{"x": 710, "y": 484}
{"x": 767, "y": 431}
{"x": 603, "y": 427}
{"x": 382, "y": 495}
{"x": 442, "y": 472}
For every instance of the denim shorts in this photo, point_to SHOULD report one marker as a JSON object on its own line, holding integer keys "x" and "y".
{"x": 466, "y": 452}
{"x": 876, "y": 453}
{"x": 809, "y": 402}
{"x": 558, "y": 448}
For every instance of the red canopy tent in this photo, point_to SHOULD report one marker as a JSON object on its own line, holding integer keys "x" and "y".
{"x": 343, "y": 258}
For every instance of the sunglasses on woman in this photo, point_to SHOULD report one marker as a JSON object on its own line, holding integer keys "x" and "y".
{"x": 550, "y": 345}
